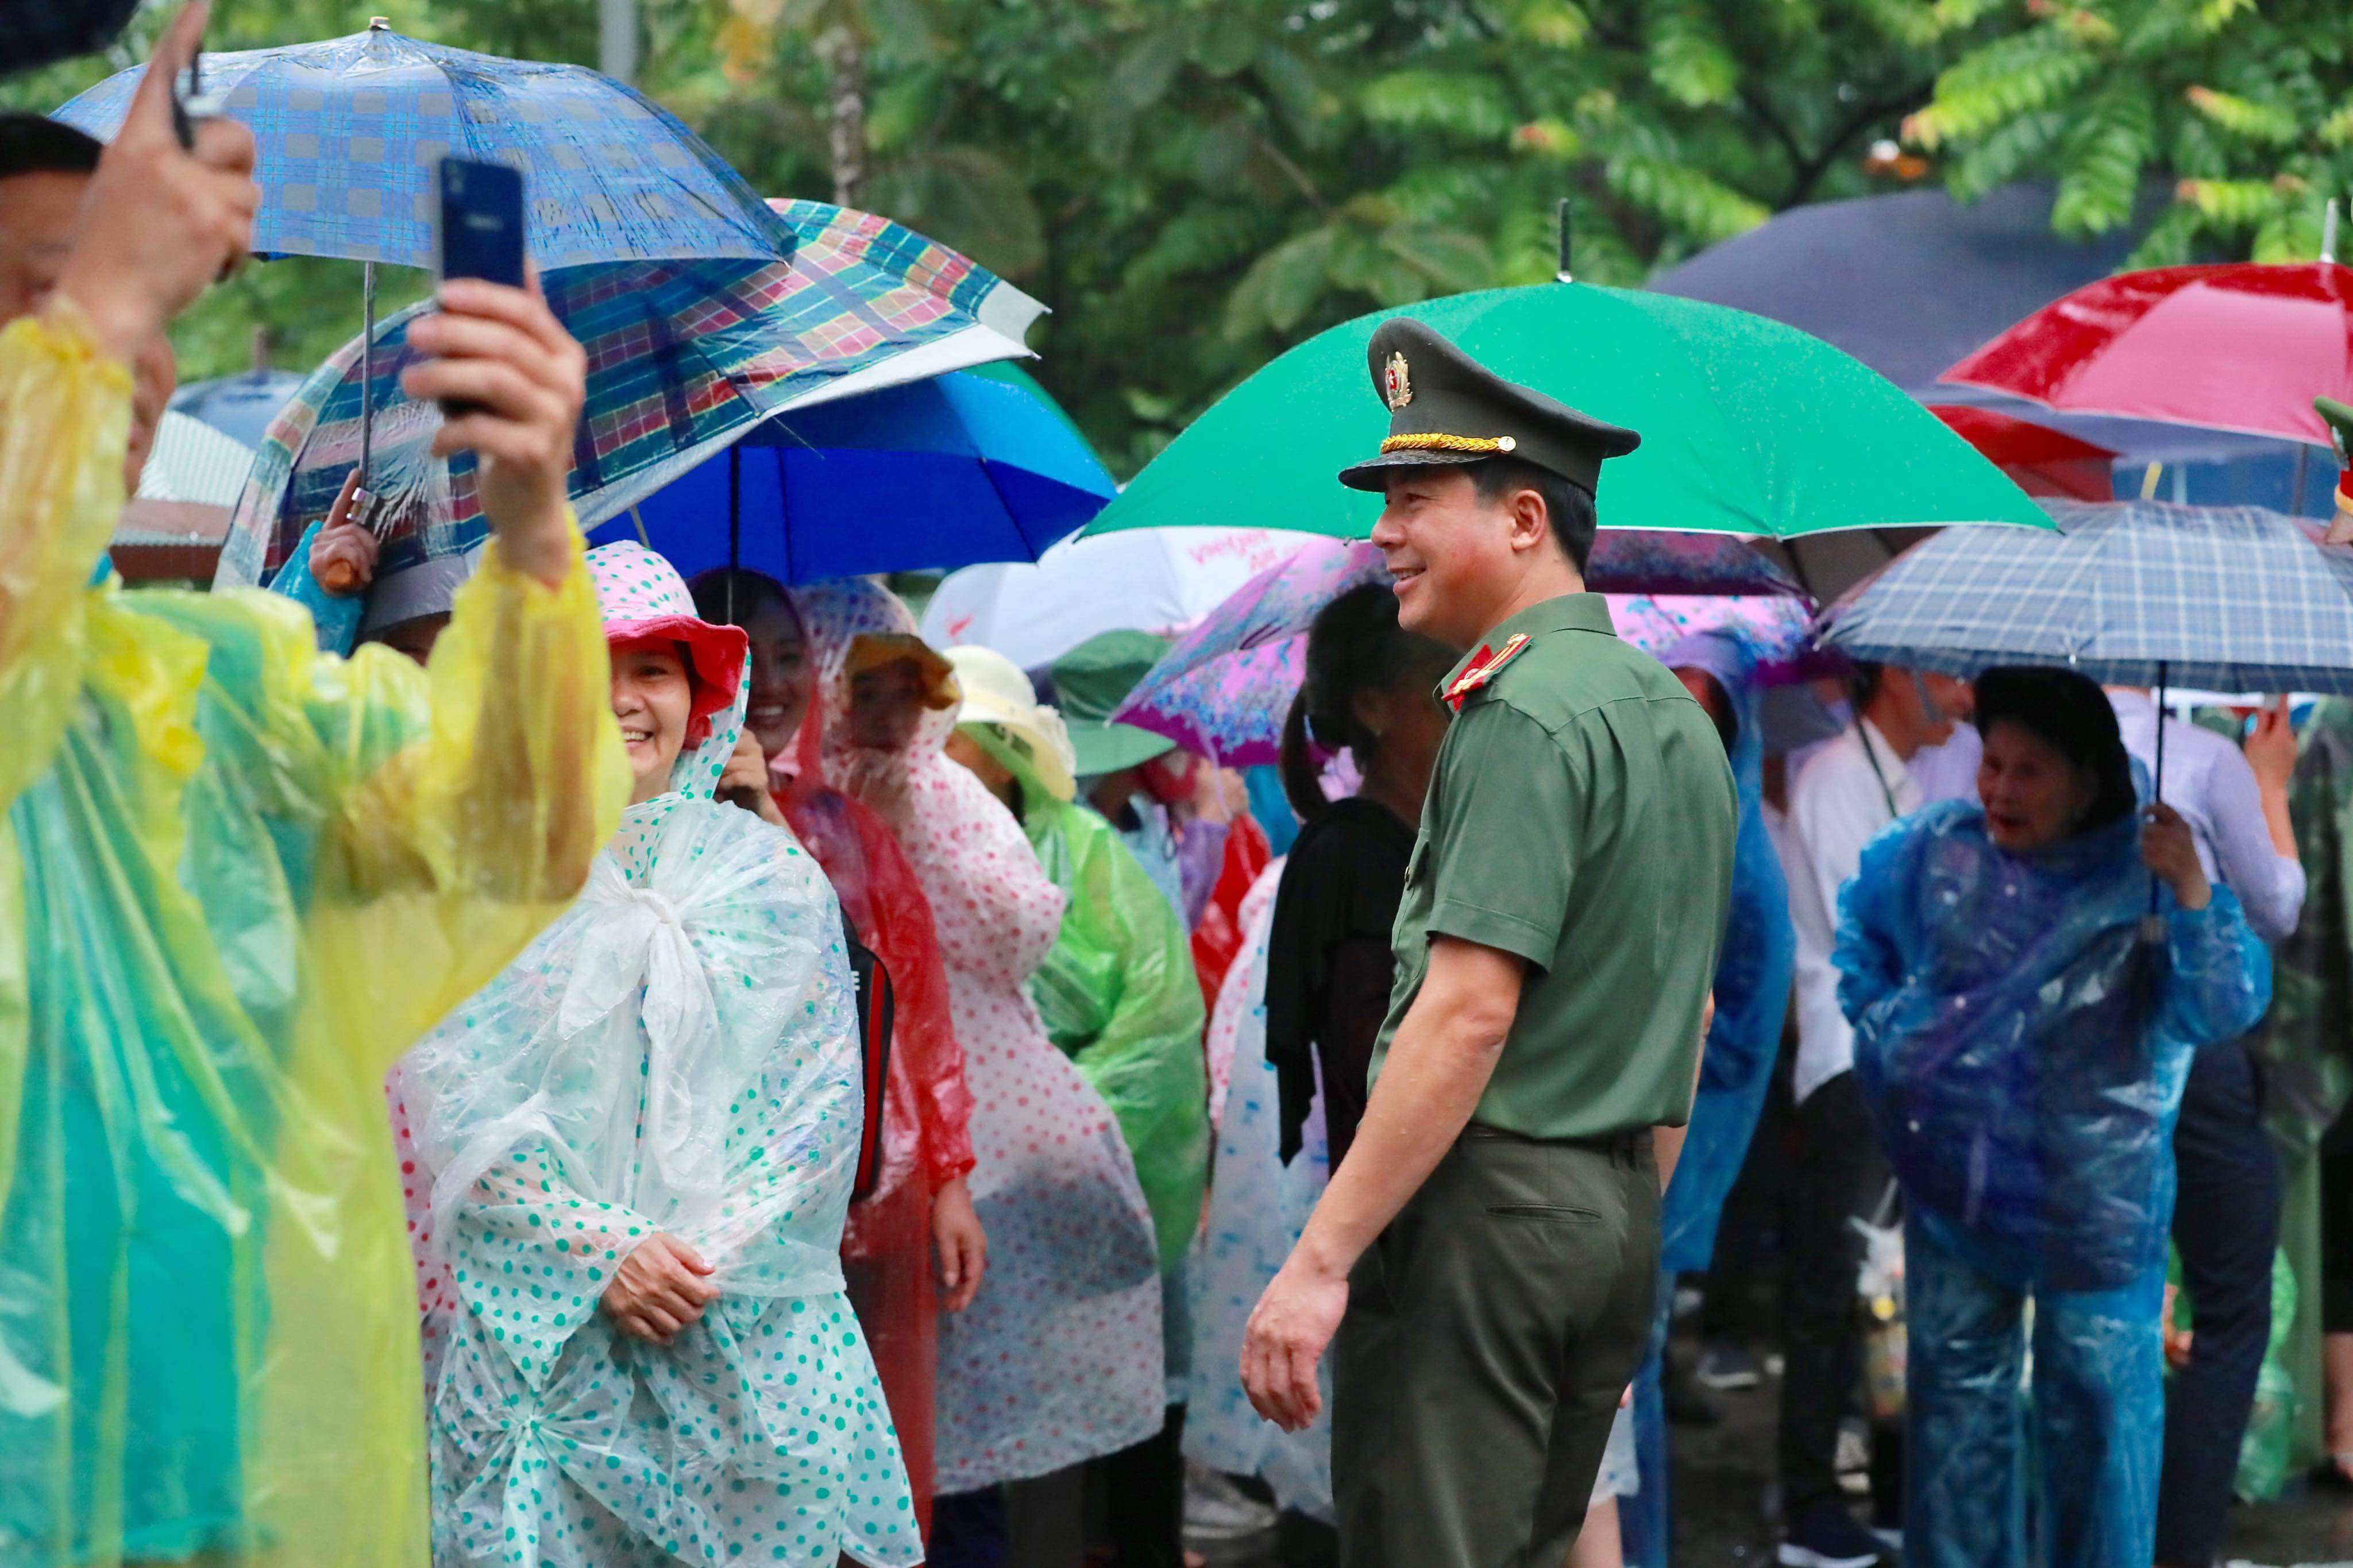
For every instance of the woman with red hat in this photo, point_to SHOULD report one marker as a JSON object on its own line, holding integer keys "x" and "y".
{"x": 637, "y": 1145}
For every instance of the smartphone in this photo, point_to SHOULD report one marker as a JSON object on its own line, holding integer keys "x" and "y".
{"x": 477, "y": 230}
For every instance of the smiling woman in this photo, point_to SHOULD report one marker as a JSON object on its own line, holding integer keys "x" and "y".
{"x": 652, "y": 701}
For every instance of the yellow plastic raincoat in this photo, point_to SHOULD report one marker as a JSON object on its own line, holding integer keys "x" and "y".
{"x": 236, "y": 879}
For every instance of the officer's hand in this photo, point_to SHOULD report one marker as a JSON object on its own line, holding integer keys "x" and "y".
{"x": 1287, "y": 1330}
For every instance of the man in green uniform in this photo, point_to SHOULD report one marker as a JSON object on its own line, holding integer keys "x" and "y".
{"x": 1488, "y": 1251}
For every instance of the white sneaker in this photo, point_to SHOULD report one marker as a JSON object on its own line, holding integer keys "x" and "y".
{"x": 1218, "y": 1511}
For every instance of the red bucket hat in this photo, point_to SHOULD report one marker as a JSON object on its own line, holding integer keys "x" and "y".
{"x": 643, "y": 599}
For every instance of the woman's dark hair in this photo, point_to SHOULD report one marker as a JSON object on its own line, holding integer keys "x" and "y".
{"x": 1567, "y": 505}
{"x": 1356, "y": 645}
{"x": 2069, "y": 713}
{"x": 728, "y": 595}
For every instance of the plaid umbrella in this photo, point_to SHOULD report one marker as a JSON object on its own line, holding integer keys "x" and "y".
{"x": 2136, "y": 592}
{"x": 350, "y": 132}
{"x": 683, "y": 357}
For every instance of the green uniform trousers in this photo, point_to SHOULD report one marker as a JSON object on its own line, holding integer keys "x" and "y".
{"x": 1490, "y": 1334}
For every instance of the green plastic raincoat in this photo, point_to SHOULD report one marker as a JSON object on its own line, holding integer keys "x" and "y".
{"x": 1118, "y": 995}
{"x": 236, "y": 879}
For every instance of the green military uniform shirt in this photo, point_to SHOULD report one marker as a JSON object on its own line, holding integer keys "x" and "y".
{"x": 1581, "y": 815}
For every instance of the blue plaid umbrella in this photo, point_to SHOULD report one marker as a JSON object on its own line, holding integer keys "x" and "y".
{"x": 2133, "y": 593}
{"x": 350, "y": 131}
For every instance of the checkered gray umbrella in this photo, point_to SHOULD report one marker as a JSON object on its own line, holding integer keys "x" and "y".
{"x": 2226, "y": 598}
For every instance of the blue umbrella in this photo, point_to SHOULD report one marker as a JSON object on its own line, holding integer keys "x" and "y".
{"x": 980, "y": 464}
{"x": 2133, "y": 593}
{"x": 350, "y": 132}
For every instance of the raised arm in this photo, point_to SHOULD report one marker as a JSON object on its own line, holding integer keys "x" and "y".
{"x": 443, "y": 859}
{"x": 157, "y": 224}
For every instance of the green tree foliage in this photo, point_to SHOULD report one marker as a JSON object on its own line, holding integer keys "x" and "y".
{"x": 1197, "y": 185}
{"x": 2245, "y": 110}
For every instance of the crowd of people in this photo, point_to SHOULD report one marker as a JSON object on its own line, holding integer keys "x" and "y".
{"x": 852, "y": 1098}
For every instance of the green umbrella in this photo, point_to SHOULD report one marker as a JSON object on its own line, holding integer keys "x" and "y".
{"x": 1748, "y": 426}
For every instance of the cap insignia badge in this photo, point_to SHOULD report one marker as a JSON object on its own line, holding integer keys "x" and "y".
{"x": 1399, "y": 388}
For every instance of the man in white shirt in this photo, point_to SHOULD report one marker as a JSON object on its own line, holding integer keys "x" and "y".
{"x": 1845, "y": 794}
{"x": 2226, "y": 1216}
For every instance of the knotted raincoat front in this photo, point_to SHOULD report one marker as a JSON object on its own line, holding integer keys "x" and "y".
{"x": 2022, "y": 1046}
{"x": 677, "y": 1054}
{"x": 237, "y": 878}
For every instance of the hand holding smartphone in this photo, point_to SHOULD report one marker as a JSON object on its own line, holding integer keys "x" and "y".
{"x": 478, "y": 231}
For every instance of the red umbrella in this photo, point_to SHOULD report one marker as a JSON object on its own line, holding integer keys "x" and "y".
{"x": 2042, "y": 461}
{"x": 2245, "y": 346}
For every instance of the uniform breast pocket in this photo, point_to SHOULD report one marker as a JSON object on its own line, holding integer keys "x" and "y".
{"x": 1414, "y": 864}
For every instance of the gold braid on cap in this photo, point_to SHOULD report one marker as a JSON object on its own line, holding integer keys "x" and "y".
{"x": 1435, "y": 442}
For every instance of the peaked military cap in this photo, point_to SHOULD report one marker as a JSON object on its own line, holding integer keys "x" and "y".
{"x": 1447, "y": 407}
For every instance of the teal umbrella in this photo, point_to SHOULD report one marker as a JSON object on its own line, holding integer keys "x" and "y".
{"x": 1748, "y": 426}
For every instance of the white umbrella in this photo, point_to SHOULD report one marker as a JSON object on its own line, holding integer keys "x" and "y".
{"x": 1143, "y": 579}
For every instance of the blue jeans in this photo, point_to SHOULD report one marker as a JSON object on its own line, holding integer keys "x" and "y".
{"x": 2085, "y": 1441}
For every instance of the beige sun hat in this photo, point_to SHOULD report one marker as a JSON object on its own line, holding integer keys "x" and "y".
{"x": 997, "y": 692}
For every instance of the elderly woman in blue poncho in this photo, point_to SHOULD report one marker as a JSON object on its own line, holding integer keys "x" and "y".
{"x": 2025, "y": 1007}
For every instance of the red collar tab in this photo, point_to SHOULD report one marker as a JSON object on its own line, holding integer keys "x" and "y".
{"x": 1484, "y": 668}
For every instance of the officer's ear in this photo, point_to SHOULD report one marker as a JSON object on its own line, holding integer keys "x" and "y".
{"x": 1530, "y": 519}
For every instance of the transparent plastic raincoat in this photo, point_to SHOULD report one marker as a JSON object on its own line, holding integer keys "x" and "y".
{"x": 1258, "y": 1206}
{"x": 677, "y": 1054}
{"x": 1059, "y": 1358}
{"x": 1752, "y": 994}
{"x": 236, "y": 879}
{"x": 2022, "y": 1051}
{"x": 1117, "y": 994}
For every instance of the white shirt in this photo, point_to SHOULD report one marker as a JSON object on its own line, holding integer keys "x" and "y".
{"x": 1837, "y": 805}
{"x": 1949, "y": 771}
{"x": 2207, "y": 781}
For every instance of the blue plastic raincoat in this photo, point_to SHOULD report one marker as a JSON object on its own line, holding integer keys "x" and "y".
{"x": 2022, "y": 1050}
{"x": 1752, "y": 994}
{"x": 677, "y": 1054}
{"x": 237, "y": 878}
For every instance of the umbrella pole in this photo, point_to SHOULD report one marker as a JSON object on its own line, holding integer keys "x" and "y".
{"x": 734, "y": 523}
{"x": 368, "y": 382}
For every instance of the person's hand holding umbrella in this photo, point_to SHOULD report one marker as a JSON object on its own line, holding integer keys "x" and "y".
{"x": 160, "y": 221}
{"x": 502, "y": 353}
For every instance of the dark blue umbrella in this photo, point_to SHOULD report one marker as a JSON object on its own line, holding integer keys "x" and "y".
{"x": 980, "y": 464}
{"x": 350, "y": 132}
{"x": 1910, "y": 283}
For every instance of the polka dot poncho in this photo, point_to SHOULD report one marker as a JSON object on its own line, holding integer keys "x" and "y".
{"x": 676, "y": 1054}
